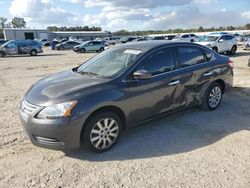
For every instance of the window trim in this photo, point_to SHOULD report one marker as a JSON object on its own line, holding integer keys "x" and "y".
{"x": 189, "y": 46}
{"x": 177, "y": 68}
{"x": 155, "y": 50}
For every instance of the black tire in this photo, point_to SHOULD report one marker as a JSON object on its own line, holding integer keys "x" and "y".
{"x": 233, "y": 50}
{"x": 207, "y": 104}
{"x": 83, "y": 50}
{"x": 2, "y": 54}
{"x": 91, "y": 126}
{"x": 215, "y": 49}
{"x": 101, "y": 49}
{"x": 33, "y": 52}
{"x": 192, "y": 40}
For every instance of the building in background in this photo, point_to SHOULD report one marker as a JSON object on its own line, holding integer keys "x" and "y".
{"x": 25, "y": 34}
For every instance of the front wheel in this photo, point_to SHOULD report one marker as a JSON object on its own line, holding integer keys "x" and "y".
{"x": 213, "y": 96}
{"x": 101, "y": 50}
{"x": 215, "y": 49}
{"x": 102, "y": 131}
{"x": 233, "y": 50}
{"x": 2, "y": 54}
{"x": 83, "y": 50}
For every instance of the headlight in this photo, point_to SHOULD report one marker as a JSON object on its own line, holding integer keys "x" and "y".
{"x": 57, "y": 111}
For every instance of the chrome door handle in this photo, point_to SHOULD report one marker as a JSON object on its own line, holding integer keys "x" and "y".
{"x": 207, "y": 74}
{"x": 174, "y": 83}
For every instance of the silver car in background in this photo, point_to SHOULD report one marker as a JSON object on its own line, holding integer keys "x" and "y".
{"x": 16, "y": 47}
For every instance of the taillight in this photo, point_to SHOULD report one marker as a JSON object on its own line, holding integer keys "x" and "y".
{"x": 230, "y": 63}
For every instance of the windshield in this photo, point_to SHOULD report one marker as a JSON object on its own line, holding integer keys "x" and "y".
{"x": 207, "y": 39}
{"x": 110, "y": 63}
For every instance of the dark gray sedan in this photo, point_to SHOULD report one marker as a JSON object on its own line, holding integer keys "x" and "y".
{"x": 120, "y": 88}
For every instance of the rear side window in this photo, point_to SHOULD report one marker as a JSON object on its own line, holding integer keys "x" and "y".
{"x": 189, "y": 56}
{"x": 159, "y": 62}
{"x": 208, "y": 54}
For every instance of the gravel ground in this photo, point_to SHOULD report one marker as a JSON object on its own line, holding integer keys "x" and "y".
{"x": 193, "y": 148}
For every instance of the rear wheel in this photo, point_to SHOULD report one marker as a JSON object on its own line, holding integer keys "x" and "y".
{"x": 33, "y": 52}
{"x": 213, "y": 96}
{"x": 102, "y": 131}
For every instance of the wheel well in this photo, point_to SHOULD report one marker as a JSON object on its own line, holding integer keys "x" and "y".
{"x": 113, "y": 109}
{"x": 33, "y": 50}
{"x": 222, "y": 83}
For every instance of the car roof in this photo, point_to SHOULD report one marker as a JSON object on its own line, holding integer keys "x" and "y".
{"x": 152, "y": 44}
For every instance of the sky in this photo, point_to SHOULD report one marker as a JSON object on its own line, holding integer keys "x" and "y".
{"x": 114, "y": 15}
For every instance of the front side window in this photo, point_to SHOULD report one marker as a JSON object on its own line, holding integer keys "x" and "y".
{"x": 110, "y": 62}
{"x": 159, "y": 62}
{"x": 189, "y": 56}
{"x": 11, "y": 45}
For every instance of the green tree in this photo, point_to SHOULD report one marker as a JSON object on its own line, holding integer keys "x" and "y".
{"x": 201, "y": 29}
{"x": 247, "y": 26}
{"x": 2, "y": 22}
{"x": 2, "y": 26}
{"x": 18, "y": 22}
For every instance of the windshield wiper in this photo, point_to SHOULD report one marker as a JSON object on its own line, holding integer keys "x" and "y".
{"x": 88, "y": 73}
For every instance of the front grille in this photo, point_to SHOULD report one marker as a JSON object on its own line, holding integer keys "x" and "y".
{"x": 27, "y": 107}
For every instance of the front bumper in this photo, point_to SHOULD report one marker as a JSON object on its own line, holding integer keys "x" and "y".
{"x": 58, "y": 134}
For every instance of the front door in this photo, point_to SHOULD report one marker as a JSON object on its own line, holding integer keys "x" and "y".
{"x": 11, "y": 48}
{"x": 158, "y": 94}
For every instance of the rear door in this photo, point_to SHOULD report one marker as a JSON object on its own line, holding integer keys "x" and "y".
{"x": 196, "y": 70}
{"x": 23, "y": 47}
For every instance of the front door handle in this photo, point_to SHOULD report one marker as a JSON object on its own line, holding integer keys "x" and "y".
{"x": 207, "y": 74}
{"x": 174, "y": 83}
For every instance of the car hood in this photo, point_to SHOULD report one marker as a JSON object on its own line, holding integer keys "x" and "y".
{"x": 203, "y": 43}
{"x": 61, "y": 87}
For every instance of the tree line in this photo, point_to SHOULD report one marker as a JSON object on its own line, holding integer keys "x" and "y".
{"x": 77, "y": 28}
{"x": 179, "y": 30}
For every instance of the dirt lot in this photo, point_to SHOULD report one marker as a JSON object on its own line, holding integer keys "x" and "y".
{"x": 190, "y": 149}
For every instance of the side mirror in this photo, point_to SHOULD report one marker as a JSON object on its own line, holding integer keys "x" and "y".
{"x": 142, "y": 75}
{"x": 221, "y": 40}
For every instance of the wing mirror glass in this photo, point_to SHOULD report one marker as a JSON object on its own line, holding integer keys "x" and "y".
{"x": 221, "y": 40}
{"x": 142, "y": 75}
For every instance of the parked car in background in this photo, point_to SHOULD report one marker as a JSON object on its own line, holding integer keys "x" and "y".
{"x": 246, "y": 43}
{"x": 170, "y": 37}
{"x": 185, "y": 38}
{"x": 68, "y": 45}
{"x": 2, "y": 41}
{"x": 127, "y": 39}
{"x": 120, "y": 88}
{"x": 15, "y": 47}
{"x": 220, "y": 43}
{"x": 110, "y": 40}
{"x": 158, "y": 38}
{"x": 43, "y": 41}
{"x": 139, "y": 39}
{"x": 96, "y": 46}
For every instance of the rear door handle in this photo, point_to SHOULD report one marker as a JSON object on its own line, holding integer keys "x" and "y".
{"x": 174, "y": 83}
{"x": 207, "y": 74}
